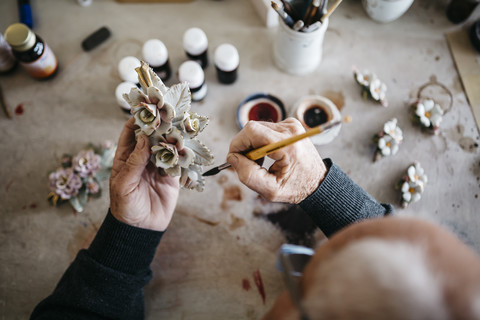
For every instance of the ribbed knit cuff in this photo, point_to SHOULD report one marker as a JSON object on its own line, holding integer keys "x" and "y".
{"x": 339, "y": 201}
{"x": 123, "y": 247}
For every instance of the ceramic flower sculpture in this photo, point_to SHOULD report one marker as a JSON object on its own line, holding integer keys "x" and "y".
{"x": 428, "y": 114}
{"x": 163, "y": 114}
{"x": 388, "y": 140}
{"x": 372, "y": 87}
{"x": 412, "y": 184}
{"x": 79, "y": 177}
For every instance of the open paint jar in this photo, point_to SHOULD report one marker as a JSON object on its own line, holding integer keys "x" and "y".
{"x": 313, "y": 111}
{"x": 260, "y": 107}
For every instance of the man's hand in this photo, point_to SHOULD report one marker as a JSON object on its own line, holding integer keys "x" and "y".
{"x": 139, "y": 195}
{"x": 296, "y": 172}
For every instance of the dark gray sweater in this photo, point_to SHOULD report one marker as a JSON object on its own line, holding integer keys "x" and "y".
{"x": 106, "y": 281}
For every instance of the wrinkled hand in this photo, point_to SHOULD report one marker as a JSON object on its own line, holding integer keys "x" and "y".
{"x": 139, "y": 195}
{"x": 297, "y": 171}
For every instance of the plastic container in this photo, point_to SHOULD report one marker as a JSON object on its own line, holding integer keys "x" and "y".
{"x": 126, "y": 69}
{"x": 124, "y": 88}
{"x": 195, "y": 44}
{"x": 7, "y": 60}
{"x": 193, "y": 74}
{"x": 226, "y": 63}
{"x": 386, "y": 10}
{"x": 155, "y": 53}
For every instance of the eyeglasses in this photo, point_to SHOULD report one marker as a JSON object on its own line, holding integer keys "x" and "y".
{"x": 291, "y": 262}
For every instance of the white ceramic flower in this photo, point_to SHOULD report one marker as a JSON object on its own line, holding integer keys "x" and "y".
{"x": 388, "y": 145}
{"x": 391, "y": 129}
{"x": 191, "y": 178}
{"x": 411, "y": 191}
{"x": 86, "y": 163}
{"x": 192, "y": 124}
{"x": 378, "y": 90}
{"x": 364, "y": 78}
{"x": 170, "y": 152}
{"x": 416, "y": 174}
{"x": 429, "y": 112}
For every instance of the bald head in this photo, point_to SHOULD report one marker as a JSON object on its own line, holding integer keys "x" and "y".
{"x": 389, "y": 268}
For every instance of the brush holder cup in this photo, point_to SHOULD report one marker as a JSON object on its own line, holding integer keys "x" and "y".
{"x": 297, "y": 52}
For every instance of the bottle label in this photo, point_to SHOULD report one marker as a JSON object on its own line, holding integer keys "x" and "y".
{"x": 43, "y": 66}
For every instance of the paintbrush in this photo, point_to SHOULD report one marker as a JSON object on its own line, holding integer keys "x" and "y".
{"x": 330, "y": 11}
{"x": 272, "y": 147}
{"x": 311, "y": 12}
{"x": 285, "y": 17}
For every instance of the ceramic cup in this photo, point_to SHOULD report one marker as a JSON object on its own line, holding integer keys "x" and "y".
{"x": 315, "y": 110}
{"x": 386, "y": 10}
{"x": 298, "y": 52}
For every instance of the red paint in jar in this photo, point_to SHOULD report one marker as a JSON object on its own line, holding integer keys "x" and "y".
{"x": 263, "y": 112}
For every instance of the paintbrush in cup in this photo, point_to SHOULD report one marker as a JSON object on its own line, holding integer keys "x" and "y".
{"x": 272, "y": 147}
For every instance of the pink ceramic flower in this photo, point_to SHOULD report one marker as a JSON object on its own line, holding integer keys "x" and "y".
{"x": 86, "y": 163}
{"x": 65, "y": 183}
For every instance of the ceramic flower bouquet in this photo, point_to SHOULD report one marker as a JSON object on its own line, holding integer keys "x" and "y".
{"x": 163, "y": 114}
{"x": 388, "y": 140}
{"x": 79, "y": 177}
{"x": 412, "y": 184}
{"x": 372, "y": 87}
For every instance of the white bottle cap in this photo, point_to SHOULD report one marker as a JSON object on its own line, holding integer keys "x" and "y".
{"x": 126, "y": 69}
{"x": 226, "y": 57}
{"x": 155, "y": 53}
{"x": 122, "y": 88}
{"x": 191, "y": 72}
{"x": 195, "y": 41}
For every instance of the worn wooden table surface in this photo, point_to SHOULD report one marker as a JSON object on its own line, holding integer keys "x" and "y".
{"x": 205, "y": 265}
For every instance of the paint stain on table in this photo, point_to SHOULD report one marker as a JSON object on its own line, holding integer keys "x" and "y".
{"x": 231, "y": 193}
{"x": 19, "y": 110}
{"x": 257, "y": 278}
{"x": 246, "y": 284}
{"x": 210, "y": 223}
{"x": 236, "y": 222}
{"x": 336, "y": 97}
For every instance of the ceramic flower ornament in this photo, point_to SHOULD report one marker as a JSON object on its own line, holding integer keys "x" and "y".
{"x": 428, "y": 114}
{"x": 163, "y": 114}
{"x": 388, "y": 140}
{"x": 412, "y": 184}
{"x": 79, "y": 177}
{"x": 372, "y": 87}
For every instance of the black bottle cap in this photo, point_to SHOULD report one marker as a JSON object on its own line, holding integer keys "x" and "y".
{"x": 96, "y": 38}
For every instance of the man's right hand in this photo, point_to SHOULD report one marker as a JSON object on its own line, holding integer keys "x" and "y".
{"x": 297, "y": 171}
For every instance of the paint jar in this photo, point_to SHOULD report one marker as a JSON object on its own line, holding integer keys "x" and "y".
{"x": 260, "y": 107}
{"x": 386, "y": 10}
{"x": 226, "y": 63}
{"x": 124, "y": 88}
{"x": 126, "y": 69}
{"x": 297, "y": 52}
{"x": 313, "y": 111}
{"x": 31, "y": 51}
{"x": 155, "y": 53}
{"x": 193, "y": 74}
{"x": 7, "y": 60}
{"x": 195, "y": 44}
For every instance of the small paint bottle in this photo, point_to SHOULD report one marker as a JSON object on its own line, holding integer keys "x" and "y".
{"x": 226, "y": 63}
{"x": 7, "y": 60}
{"x": 124, "y": 88}
{"x": 31, "y": 51}
{"x": 155, "y": 53}
{"x": 193, "y": 74}
{"x": 126, "y": 69}
{"x": 195, "y": 44}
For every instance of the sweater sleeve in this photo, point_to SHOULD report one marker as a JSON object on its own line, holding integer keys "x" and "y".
{"x": 339, "y": 201}
{"x": 105, "y": 281}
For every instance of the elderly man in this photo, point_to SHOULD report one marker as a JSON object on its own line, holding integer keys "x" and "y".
{"x": 388, "y": 268}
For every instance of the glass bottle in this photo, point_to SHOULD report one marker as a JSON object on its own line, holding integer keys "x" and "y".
{"x": 31, "y": 51}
